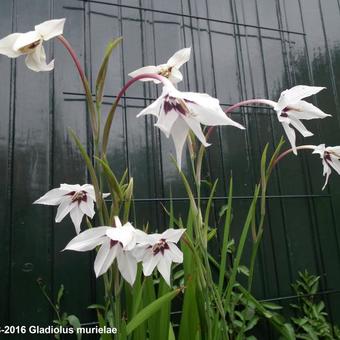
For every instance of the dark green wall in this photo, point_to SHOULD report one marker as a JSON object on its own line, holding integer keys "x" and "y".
{"x": 241, "y": 49}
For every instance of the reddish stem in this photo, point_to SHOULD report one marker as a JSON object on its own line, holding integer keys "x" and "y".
{"x": 237, "y": 105}
{"x": 86, "y": 86}
{"x": 75, "y": 59}
{"x": 162, "y": 79}
{"x": 112, "y": 111}
{"x": 287, "y": 152}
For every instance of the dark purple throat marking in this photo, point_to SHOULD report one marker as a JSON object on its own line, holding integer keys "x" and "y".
{"x": 160, "y": 247}
{"x": 78, "y": 196}
{"x": 114, "y": 242}
{"x": 177, "y": 104}
{"x": 284, "y": 112}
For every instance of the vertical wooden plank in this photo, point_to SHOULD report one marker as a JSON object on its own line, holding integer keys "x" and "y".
{"x": 68, "y": 165}
{"x": 6, "y": 134}
{"x": 30, "y": 247}
{"x": 165, "y": 26}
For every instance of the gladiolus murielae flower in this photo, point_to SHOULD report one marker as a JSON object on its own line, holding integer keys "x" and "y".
{"x": 177, "y": 112}
{"x": 290, "y": 109}
{"x": 169, "y": 70}
{"x": 160, "y": 250}
{"x": 330, "y": 159}
{"x": 115, "y": 243}
{"x": 78, "y": 200}
{"x": 30, "y": 44}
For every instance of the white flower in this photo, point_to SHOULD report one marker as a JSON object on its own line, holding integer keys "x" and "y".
{"x": 115, "y": 243}
{"x": 330, "y": 159}
{"x": 177, "y": 112}
{"x": 30, "y": 44}
{"x": 169, "y": 70}
{"x": 160, "y": 250}
{"x": 291, "y": 109}
{"x": 78, "y": 200}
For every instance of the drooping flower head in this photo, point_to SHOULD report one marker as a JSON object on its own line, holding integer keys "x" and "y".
{"x": 177, "y": 112}
{"x": 78, "y": 200}
{"x": 330, "y": 159}
{"x": 160, "y": 250}
{"x": 169, "y": 70}
{"x": 115, "y": 243}
{"x": 291, "y": 109}
{"x": 30, "y": 44}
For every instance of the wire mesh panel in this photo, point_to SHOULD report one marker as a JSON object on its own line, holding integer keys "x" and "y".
{"x": 240, "y": 49}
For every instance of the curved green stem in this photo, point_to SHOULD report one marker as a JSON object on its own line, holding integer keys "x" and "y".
{"x": 259, "y": 233}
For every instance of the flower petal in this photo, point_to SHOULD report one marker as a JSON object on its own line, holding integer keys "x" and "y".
{"x": 118, "y": 223}
{"x": 141, "y": 236}
{"x": 105, "y": 258}
{"x": 124, "y": 234}
{"x": 64, "y": 208}
{"x": 50, "y": 28}
{"x": 179, "y": 58}
{"x": 166, "y": 121}
{"x": 127, "y": 266}
{"x": 87, "y": 207}
{"x": 176, "y": 254}
{"x": 149, "y": 263}
{"x": 36, "y": 61}
{"x": 305, "y": 110}
{"x": 7, "y": 44}
{"x": 26, "y": 39}
{"x": 172, "y": 235}
{"x": 164, "y": 267}
{"x": 334, "y": 149}
{"x": 153, "y": 109}
{"x": 296, "y": 93}
{"x": 320, "y": 149}
{"x": 179, "y": 133}
{"x": 88, "y": 239}
{"x": 207, "y": 110}
{"x": 335, "y": 163}
{"x": 70, "y": 187}
{"x": 300, "y": 127}
{"x": 141, "y": 251}
{"x": 175, "y": 76}
{"x": 52, "y": 197}
{"x": 326, "y": 172}
{"x": 146, "y": 70}
{"x": 76, "y": 217}
{"x": 195, "y": 126}
{"x": 290, "y": 135}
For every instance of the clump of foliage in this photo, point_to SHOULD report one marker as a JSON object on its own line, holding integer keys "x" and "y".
{"x": 311, "y": 321}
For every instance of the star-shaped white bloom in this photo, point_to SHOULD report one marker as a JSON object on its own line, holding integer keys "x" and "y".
{"x": 169, "y": 70}
{"x": 291, "y": 109}
{"x": 330, "y": 159}
{"x": 30, "y": 44}
{"x": 78, "y": 200}
{"x": 177, "y": 112}
{"x": 115, "y": 243}
{"x": 159, "y": 250}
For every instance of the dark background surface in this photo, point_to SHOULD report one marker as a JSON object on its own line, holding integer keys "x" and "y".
{"x": 240, "y": 49}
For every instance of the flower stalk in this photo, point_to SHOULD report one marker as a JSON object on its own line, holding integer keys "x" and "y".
{"x": 112, "y": 111}
{"x": 86, "y": 86}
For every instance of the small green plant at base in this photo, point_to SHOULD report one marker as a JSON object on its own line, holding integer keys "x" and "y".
{"x": 63, "y": 319}
{"x": 312, "y": 319}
